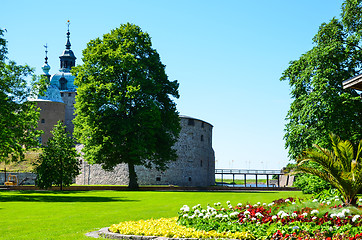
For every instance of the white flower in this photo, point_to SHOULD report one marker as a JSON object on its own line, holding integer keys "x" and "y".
{"x": 294, "y": 203}
{"x": 274, "y": 217}
{"x": 225, "y": 216}
{"x": 258, "y": 203}
{"x": 185, "y": 208}
{"x": 244, "y": 220}
{"x": 185, "y": 215}
{"x": 264, "y": 204}
{"x": 333, "y": 215}
{"x": 258, "y": 214}
{"x": 234, "y": 214}
{"x": 203, "y": 211}
{"x": 253, "y": 219}
{"x": 222, "y": 209}
{"x": 305, "y": 214}
{"x": 246, "y": 212}
{"x": 280, "y": 213}
{"x": 206, "y": 216}
{"x": 255, "y": 205}
{"x": 355, "y": 217}
{"x": 314, "y": 212}
{"x": 228, "y": 202}
{"x": 218, "y": 216}
{"x": 315, "y": 200}
{"x": 240, "y": 204}
{"x": 210, "y": 209}
{"x": 201, "y": 215}
{"x": 287, "y": 200}
{"x": 230, "y": 207}
{"x": 323, "y": 202}
{"x": 314, "y": 218}
{"x": 247, "y": 206}
{"x": 328, "y": 203}
{"x": 336, "y": 200}
{"x": 360, "y": 200}
{"x": 197, "y": 211}
{"x": 346, "y": 211}
{"x": 340, "y": 215}
{"x": 270, "y": 204}
{"x": 295, "y": 227}
{"x": 294, "y": 214}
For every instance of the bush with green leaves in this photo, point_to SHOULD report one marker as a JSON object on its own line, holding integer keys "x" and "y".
{"x": 340, "y": 166}
{"x": 58, "y": 164}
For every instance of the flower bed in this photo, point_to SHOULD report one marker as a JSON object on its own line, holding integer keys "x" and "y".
{"x": 282, "y": 219}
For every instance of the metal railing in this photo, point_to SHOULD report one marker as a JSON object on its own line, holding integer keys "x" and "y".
{"x": 247, "y": 171}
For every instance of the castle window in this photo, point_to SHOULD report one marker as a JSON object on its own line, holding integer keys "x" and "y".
{"x": 62, "y": 94}
{"x": 158, "y": 179}
{"x": 42, "y": 120}
{"x": 191, "y": 122}
{"x": 69, "y": 94}
{"x": 201, "y": 163}
{"x": 202, "y": 125}
{"x": 202, "y": 138}
{"x": 189, "y": 179}
{"x": 63, "y": 83}
{"x": 40, "y": 140}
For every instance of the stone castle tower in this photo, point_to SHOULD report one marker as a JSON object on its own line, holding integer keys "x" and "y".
{"x": 195, "y": 165}
{"x": 58, "y": 102}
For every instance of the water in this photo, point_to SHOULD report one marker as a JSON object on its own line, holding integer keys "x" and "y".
{"x": 242, "y": 185}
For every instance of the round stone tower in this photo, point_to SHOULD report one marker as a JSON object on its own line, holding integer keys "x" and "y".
{"x": 195, "y": 165}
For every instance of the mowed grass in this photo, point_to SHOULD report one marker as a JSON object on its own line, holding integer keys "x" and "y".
{"x": 69, "y": 215}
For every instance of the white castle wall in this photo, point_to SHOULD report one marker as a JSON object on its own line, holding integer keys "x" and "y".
{"x": 195, "y": 165}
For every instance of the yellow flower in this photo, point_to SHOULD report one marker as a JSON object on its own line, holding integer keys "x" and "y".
{"x": 168, "y": 227}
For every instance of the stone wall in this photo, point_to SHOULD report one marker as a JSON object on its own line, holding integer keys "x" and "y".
{"x": 50, "y": 113}
{"x": 21, "y": 176}
{"x": 68, "y": 98}
{"x": 195, "y": 165}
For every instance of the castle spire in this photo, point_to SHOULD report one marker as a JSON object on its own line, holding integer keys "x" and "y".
{"x": 67, "y": 59}
{"x": 67, "y": 46}
{"x": 46, "y": 66}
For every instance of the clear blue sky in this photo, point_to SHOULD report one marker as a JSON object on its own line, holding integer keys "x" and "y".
{"x": 227, "y": 55}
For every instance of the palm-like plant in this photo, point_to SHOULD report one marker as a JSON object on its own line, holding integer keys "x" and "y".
{"x": 341, "y": 167}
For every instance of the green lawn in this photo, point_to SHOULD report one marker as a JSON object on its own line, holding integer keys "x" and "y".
{"x": 69, "y": 215}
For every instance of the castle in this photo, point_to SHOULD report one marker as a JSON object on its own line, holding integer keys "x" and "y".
{"x": 195, "y": 165}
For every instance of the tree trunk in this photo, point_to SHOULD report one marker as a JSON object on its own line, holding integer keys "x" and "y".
{"x": 133, "y": 184}
{"x": 351, "y": 201}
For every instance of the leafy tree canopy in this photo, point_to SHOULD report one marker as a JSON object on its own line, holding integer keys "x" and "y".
{"x": 320, "y": 104}
{"x": 58, "y": 163}
{"x": 124, "y": 109}
{"x": 18, "y": 117}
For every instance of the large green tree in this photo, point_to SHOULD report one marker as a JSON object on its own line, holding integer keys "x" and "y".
{"x": 124, "y": 110}
{"x": 320, "y": 104}
{"x": 18, "y": 117}
{"x": 58, "y": 163}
